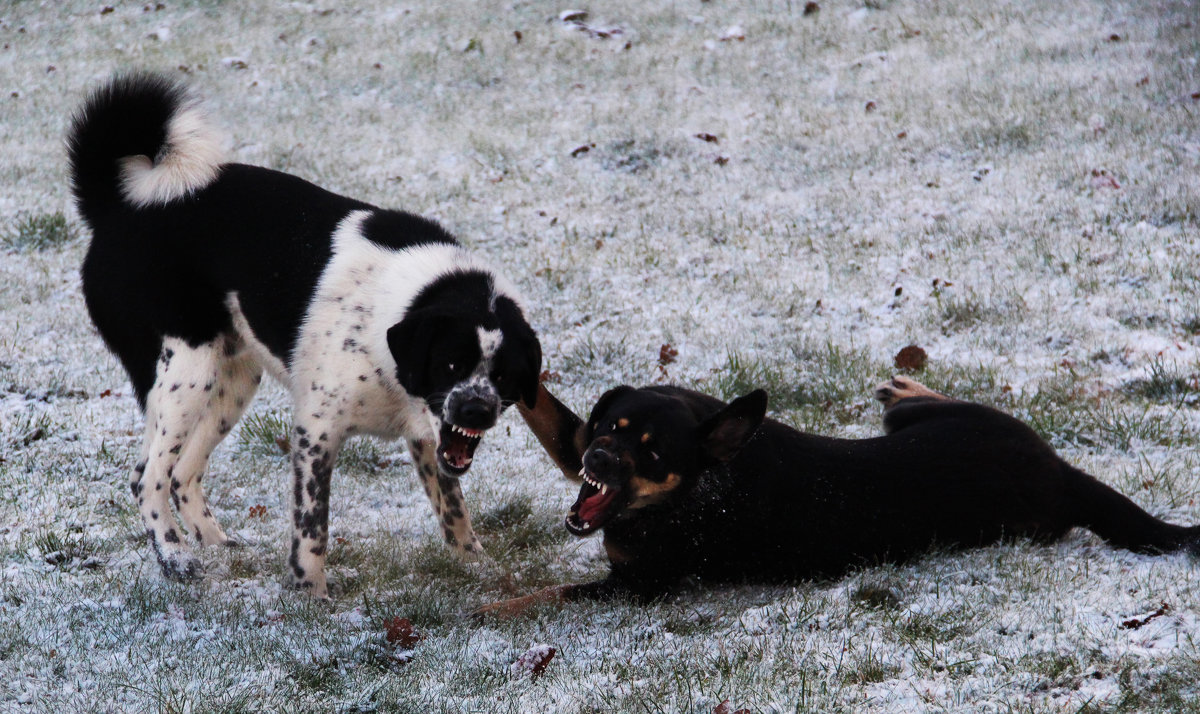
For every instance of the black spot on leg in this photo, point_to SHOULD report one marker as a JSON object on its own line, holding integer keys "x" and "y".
{"x": 317, "y": 550}
{"x": 171, "y": 536}
{"x": 294, "y": 559}
{"x": 175, "y": 449}
{"x": 154, "y": 515}
{"x": 199, "y": 538}
{"x": 175, "y": 387}
{"x": 449, "y": 536}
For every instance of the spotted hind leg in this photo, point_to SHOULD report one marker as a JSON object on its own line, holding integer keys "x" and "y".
{"x": 237, "y": 378}
{"x": 174, "y": 407}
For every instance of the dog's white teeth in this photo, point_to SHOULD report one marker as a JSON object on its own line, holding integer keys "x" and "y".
{"x": 583, "y": 473}
{"x": 603, "y": 489}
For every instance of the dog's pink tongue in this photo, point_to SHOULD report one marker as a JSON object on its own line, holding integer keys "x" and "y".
{"x": 454, "y": 451}
{"x": 596, "y": 505}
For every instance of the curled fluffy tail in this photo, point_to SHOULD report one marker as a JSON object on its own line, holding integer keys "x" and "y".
{"x": 139, "y": 140}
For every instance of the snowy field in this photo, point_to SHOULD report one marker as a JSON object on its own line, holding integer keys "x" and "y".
{"x": 784, "y": 197}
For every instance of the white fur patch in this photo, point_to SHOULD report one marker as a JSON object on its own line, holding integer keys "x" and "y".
{"x": 193, "y": 156}
{"x": 489, "y": 343}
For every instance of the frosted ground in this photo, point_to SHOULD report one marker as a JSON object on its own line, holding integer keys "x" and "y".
{"x": 1013, "y": 186}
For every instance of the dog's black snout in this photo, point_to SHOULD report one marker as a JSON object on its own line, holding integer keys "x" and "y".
{"x": 599, "y": 461}
{"x": 476, "y": 414}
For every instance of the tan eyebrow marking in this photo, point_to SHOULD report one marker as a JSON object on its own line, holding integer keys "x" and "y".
{"x": 622, "y": 422}
{"x": 645, "y": 437}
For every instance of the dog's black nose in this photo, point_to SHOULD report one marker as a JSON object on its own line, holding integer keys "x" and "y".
{"x": 599, "y": 461}
{"x": 476, "y": 414}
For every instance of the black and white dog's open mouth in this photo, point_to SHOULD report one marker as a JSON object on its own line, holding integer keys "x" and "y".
{"x": 456, "y": 448}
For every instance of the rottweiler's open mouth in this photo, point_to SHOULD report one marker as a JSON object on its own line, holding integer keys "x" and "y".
{"x": 597, "y": 504}
{"x": 456, "y": 448}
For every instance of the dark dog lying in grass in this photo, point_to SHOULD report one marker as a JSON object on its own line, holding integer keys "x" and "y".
{"x": 687, "y": 486}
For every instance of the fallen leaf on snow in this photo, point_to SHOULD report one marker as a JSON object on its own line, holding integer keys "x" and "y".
{"x": 400, "y": 632}
{"x": 1101, "y": 179}
{"x": 534, "y": 661}
{"x": 912, "y": 358}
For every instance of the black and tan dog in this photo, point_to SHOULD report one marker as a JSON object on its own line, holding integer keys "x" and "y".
{"x": 684, "y": 485}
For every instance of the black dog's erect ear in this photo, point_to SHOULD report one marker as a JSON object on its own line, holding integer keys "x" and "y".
{"x": 725, "y": 433}
{"x": 408, "y": 341}
{"x": 514, "y": 327}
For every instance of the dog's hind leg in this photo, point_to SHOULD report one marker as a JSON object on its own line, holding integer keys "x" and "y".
{"x": 175, "y": 405}
{"x": 898, "y": 388}
{"x": 236, "y": 379}
{"x": 447, "y": 500}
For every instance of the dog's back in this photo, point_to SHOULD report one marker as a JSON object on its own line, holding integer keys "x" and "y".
{"x": 948, "y": 474}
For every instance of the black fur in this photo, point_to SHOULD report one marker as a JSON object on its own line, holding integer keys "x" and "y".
{"x": 768, "y": 503}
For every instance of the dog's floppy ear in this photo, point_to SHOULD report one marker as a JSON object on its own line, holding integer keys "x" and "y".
{"x": 409, "y": 343}
{"x": 725, "y": 433}
{"x": 527, "y": 347}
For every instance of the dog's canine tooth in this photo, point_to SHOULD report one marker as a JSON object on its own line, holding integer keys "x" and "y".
{"x": 603, "y": 489}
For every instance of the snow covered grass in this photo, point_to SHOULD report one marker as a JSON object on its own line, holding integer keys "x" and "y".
{"x": 1012, "y": 186}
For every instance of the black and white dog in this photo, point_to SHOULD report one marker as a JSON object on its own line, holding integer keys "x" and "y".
{"x": 202, "y": 274}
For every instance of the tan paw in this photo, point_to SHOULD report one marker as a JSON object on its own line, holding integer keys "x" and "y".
{"x": 897, "y": 388}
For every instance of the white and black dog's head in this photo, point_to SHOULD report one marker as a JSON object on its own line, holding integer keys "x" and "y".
{"x": 465, "y": 347}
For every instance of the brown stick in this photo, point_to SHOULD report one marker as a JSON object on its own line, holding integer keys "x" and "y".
{"x": 504, "y": 609}
{"x": 555, "y": 426}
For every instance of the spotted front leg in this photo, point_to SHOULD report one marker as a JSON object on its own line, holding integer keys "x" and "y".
{"x": 446, "y": 497}
{"x": 313, "y": 454}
